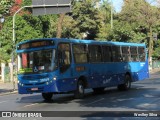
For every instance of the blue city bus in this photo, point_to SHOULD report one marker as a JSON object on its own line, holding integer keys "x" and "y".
{"x": 56, "y": 65}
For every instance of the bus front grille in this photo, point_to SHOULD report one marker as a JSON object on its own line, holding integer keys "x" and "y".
{"x": 29, "y": 84}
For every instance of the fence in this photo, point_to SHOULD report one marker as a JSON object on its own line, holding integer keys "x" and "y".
{"x": 5, "y": 74}
{"x": 155, "y": 64}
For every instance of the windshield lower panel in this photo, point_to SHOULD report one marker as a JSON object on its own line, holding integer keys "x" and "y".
{"x": 36, "y": 62}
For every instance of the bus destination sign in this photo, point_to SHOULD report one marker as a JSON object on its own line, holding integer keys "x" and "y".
{"x": 35, "y": 44}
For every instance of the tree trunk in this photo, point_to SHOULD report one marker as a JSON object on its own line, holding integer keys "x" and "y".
{"x": 59, "y": 26}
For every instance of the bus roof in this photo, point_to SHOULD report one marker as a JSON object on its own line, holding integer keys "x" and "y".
{"x": 102, "y": 42}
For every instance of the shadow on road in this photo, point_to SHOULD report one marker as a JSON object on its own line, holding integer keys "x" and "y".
{"x": 143, "y": 96}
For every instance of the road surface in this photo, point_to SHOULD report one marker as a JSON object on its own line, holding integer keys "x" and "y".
{"x": 143, "y": 96}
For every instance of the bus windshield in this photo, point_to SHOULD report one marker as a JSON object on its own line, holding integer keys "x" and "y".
{"x": 36, "y": 62}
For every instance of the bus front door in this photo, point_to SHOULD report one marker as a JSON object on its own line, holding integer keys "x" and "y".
{"x": 64, "y": 60}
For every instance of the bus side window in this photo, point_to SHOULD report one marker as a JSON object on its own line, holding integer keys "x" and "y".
{"x": 95, "y": 53}
{"x": 126, "y": 54}
{"x": 134, "y": 54}
{"x": 141, "y": 54}
{"x": 107, "y": 53}
{"x": 80, "y": 53}
{"x": 116, "y": 54}
{"x": 64, "y": 57}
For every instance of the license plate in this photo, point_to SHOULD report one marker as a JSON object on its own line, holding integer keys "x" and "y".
{"x": 34, "y": 89}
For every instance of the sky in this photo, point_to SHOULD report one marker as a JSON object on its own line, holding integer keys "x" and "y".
{"x": 119, "y": 3}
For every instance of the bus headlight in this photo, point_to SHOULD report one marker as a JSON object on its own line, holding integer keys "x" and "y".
{"x": 54, "y": 78}
{"x": 20, "y": 84}
{"x": 47, "y": 83}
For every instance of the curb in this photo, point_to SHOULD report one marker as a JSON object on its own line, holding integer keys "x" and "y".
{"x": 8, "y": 93}
{"x": 154, "y": 71}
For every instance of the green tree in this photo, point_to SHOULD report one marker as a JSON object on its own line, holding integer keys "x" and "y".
{"x": 143, "y": 15}
{"x": 5, "y": 6}
{"x": 104, "y": 20}
{"x": 86, "y": 16}
{"x": 70, "y": 28}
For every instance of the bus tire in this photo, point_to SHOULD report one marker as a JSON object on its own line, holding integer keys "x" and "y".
{"x": 47, "y": 96}
{"x": 79, "y": 92}
{"x": 127, "y": 83}
{"x": 98, "y": 90}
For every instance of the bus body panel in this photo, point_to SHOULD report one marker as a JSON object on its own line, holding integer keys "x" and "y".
{"x": 104, "y": 74}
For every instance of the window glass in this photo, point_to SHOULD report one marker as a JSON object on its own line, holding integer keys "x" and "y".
{"x": 126, "y": 54}
{"x": 80, "y": 53}
{"x": 64, "y": 53}
{"x": 116, "y": 54}
{"x": 36, "y": 62}
{"x": 141, "y": 53}
{"x": 134, "y": 55}
{"x": 64, "y": 56}
{"x": 95, "y": 54}
{"x": 107, "y": 54}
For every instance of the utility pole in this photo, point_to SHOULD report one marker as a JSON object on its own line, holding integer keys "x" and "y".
{"x": 150, "y": 47}
{"x": 13, "y": 40}
{"x": 111, "y": 15}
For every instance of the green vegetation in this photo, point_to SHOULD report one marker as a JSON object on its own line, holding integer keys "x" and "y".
{"x": 136, "y": 22}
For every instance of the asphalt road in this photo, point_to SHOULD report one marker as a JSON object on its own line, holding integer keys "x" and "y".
{"x": 144, "y": 96}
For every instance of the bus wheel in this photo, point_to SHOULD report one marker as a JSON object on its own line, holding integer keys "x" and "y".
{"x": 79, "y": 92}
{"x": 47, "y": 96}
{"x": 98, "y": 90}
{"x": 127, "y": 83}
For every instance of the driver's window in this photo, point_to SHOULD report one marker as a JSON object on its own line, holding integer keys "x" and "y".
{"x": 64, "y": 58}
